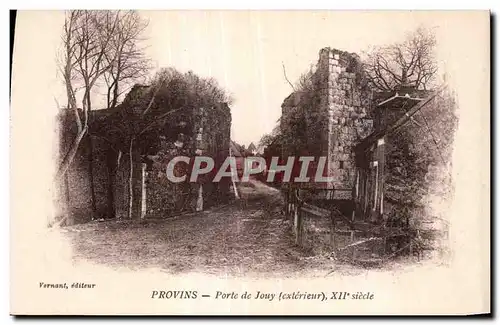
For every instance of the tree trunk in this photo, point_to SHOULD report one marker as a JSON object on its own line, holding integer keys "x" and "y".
{"x": 143, "y": 192}
{"x": 131, "y": 180}
{"x": 199, "y": 201}
{"x": 63, "y": 168}
{"x": 64, "y": 144}
{"x": 87, "y": 101}
{"x": 111, "y": 184}
{"x": 91, "y": 177}
{"x": 114, "y": 101}
{"x": 66, "y": 193}
{"x": 404, "y": 77}
{"x": 232, "y": 178}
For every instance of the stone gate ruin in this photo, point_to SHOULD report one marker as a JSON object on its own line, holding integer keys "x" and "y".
{"x": 190, "y": 131}
{"x": 337, "y": 114}
{"x": 359, "y": 131}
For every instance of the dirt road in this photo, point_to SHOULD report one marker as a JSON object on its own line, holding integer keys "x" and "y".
{"x": 246, "y": 237}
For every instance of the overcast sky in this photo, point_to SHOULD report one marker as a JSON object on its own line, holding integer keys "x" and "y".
{"x": 243, "y": 50}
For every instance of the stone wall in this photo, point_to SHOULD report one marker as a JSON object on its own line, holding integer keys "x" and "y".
{"x": 74, "y": 194}
{"x": 207, "y": 134}
{"x": 346, "y": 106}
{"x": 337, "y": 110}
{"x": 337, "y": 114}
{"x": 194, "y": 131}
{"x": 292, "y": 124}
{"x": 215, "y": 135}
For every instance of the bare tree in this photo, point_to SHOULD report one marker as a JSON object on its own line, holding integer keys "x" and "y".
{"x": 126, "y": 58}
{"x": 411, "y": 62}
{"x": 127, "y": 65}
{"x": 68, "y": 65}
{"x": 97, "y": 45}
{"x": 86, "y": 39}
{"x": 97, "y": 32}
{"x": 93, "y": 37}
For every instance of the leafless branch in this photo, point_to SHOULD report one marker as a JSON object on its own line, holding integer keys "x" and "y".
{"x": 97, "y": 44}
{"x": 411, "y": 62}
{"x": 286, "y": 78}
{"x": 125, "y": 58}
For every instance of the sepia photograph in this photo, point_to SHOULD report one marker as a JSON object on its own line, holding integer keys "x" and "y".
{"x": 210, "y": 162}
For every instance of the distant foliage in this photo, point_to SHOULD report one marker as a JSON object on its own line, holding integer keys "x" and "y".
{"x": 143, "y": 111}
{"x": 180, "y": 89}
{"x": 289, "y": 137}
{"x": 305, "y": 82}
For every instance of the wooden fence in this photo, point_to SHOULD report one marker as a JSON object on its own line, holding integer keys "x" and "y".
{"x": 326, "y": 230}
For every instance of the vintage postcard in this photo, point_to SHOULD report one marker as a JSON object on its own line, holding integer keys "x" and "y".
{"x": 250, "y": 163}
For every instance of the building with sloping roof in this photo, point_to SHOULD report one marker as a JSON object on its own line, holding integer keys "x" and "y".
{"x": 252, "y": 149}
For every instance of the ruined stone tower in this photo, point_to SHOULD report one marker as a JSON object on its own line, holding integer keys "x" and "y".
{"x": 339, "y": 116}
